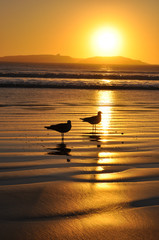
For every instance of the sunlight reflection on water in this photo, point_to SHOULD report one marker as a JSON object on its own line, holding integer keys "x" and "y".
{"x": 105, "y": 157}
{"x": 104, "y": 99}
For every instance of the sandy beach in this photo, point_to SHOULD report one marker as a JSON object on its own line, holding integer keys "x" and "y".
{"x": 97, "y": 185}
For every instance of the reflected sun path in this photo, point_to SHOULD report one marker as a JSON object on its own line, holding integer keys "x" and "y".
{"x": 104, "y": 101}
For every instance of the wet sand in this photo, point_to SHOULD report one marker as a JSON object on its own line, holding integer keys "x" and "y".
{"x": 99, "y": 184}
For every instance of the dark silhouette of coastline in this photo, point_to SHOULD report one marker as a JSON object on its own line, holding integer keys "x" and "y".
{"x": 67, "y": 59}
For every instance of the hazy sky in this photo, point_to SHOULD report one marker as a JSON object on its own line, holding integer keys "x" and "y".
{"x": 67, "y": 26}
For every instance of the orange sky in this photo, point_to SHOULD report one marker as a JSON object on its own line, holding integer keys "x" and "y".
{"x": 67, "y": 26}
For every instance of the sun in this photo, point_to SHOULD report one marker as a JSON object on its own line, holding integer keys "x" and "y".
{"x": 106, "y": 41}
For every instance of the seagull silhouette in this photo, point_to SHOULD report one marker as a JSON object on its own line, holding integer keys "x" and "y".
{"x": 61, "y": 127}
{"x": 93, "y": 120}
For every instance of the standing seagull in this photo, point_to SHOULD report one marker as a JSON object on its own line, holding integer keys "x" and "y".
{"x": 93, "y": 120}
{"x": 61, "y": 127}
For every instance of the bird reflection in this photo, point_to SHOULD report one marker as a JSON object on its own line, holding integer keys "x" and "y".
{"x": 95, "y": 137}
{"x": 60, "y": 149}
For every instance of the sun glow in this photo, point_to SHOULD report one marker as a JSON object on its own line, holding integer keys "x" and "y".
{"x": 106, "y": 41}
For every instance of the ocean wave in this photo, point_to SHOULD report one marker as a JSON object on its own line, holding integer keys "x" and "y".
{"x": 78, "y": 75}
{"x": 79, "y": 83}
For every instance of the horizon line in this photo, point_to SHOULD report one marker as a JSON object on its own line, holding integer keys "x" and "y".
{"x": 77, "y": 58}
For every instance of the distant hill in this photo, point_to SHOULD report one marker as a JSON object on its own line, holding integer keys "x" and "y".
{"x": 66, "y": 59}
{"x": 38, "y": 59}
{"x": 112, "y": 60}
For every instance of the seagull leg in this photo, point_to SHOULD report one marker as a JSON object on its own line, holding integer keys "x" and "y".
{"x": 62, "y": 135}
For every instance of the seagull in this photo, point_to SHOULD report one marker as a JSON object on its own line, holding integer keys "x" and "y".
{"x": 61, "y": 127}
{"x": 93, "y": 120}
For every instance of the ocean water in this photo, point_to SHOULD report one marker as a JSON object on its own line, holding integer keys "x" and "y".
{"x": 80, "y": 76}
{"x": 96, "y": 185}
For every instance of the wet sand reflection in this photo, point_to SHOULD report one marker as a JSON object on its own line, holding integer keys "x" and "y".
{"x": 60, "y": 149}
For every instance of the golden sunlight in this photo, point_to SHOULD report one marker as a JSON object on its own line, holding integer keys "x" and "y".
{"x": 105, "y": 99}
{"x": 106, "y": 157}
{"x": 106, "y": 41}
